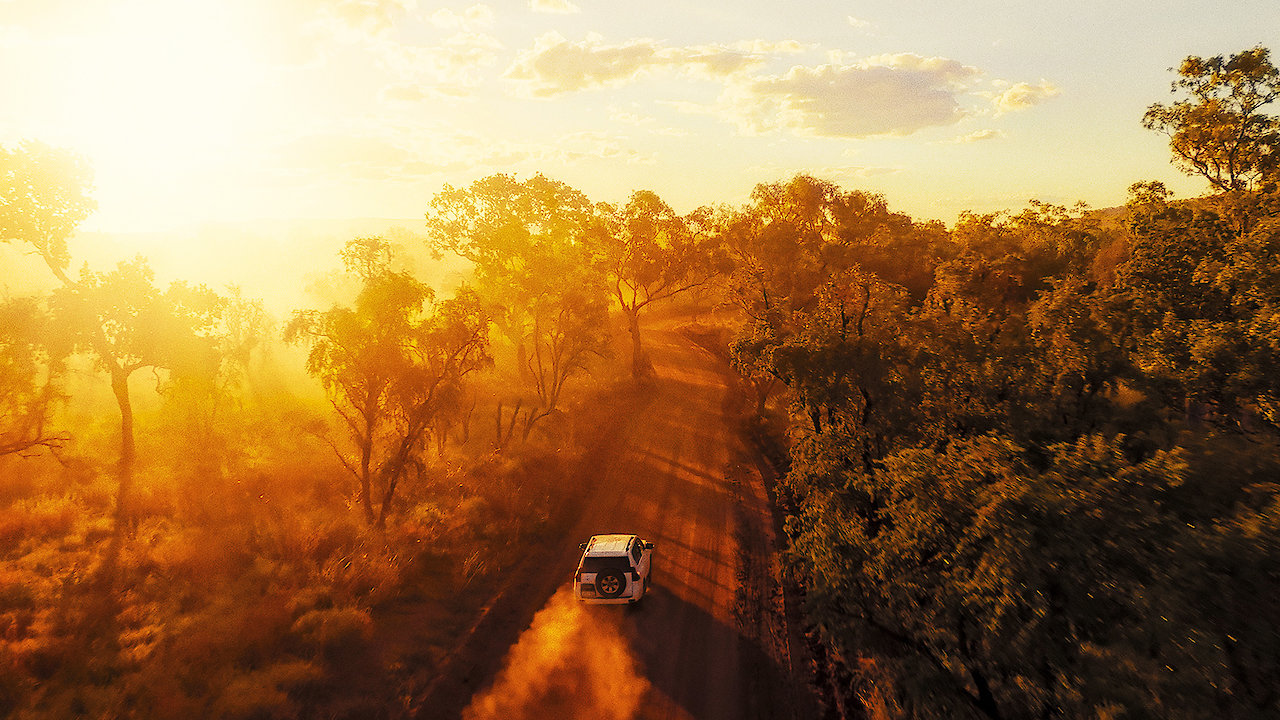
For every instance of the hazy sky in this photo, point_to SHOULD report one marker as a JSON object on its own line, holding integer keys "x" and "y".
{"x": 349, "y": 108}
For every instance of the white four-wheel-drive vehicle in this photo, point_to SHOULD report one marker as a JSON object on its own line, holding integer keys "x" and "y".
{"x": 614, "y": 569}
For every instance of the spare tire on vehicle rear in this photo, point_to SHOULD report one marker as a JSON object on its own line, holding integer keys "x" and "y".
{"x": 610, "y": 583}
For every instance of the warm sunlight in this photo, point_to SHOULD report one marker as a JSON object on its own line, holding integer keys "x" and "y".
{"x": 160, "y": 93}
{"x": 699, "y": 360}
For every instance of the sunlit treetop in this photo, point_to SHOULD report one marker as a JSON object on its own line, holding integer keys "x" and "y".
{"x": 1221, "y": 131}
{"x": 44, "y": 196}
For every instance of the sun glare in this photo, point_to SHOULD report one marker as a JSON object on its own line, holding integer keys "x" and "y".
{"x": 160, "y": 91}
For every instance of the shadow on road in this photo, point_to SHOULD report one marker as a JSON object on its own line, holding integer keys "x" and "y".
{"x": 699, "y": 666}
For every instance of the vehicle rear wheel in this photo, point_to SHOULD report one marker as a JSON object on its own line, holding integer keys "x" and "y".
{"x": 610, "y": 583}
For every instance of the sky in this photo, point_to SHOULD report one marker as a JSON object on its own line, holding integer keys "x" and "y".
{"x": 192, "y": 112}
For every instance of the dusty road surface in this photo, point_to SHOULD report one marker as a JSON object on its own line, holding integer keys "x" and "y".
{"x": 708, "y": 641}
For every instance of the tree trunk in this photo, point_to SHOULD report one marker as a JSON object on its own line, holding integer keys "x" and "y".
{"x": 124, "y": 473}
{"x": 504, "y": 437}
{"x": 392, "y": 481}
{"x": 366, "y": 493}
{"x": 640, "y": 366}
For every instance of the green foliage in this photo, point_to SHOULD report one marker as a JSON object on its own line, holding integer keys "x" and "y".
{"x": 44, "y": 196}
{"x": 1203, "y": 304}
{"x": 650, "y": 254}
{"x": 392, "y": 366}
{"x": 128, "y": 323}
{"x": 987, "y": 588}
{"x": 529, "y": 242}
{"x": 32, "y": 361}
{"x": 1219, "y": 131}
{"x": 1005, "y": 498}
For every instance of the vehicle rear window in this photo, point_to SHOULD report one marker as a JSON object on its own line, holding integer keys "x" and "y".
{"x": 600, "y": 564}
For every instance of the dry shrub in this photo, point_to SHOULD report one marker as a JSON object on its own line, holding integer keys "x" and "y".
{"x": 311, "y": 597}
{"x": 186, "y": 662}
{"x": 422, "y": 524}
{"x": 308, "y": 540}
{"x": 150, "y": 500}
{"x": 522, "y": 494}
{"x": 874, "y": 688}
{"x": 473, "y": 518}
{"x": 337, "y": 537}
{"x": 265, "y": 694}
{"x": 98, "y": 495}
{"x": 336, "y": 633}
{"x": 369, "y": 577}
{"x": 37, "y": 519}
{"x": 13, "y": 684}
{"x": 41, "y": 658}
{"x": 196, "y": 554}
{"x": 235, "y": 631}
{"x": 18, "y": 602}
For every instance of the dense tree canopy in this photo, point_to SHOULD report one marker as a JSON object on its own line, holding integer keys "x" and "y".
{"x": 1008, "y": 477}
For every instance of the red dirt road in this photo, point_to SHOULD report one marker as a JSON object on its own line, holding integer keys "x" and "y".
{"x": 708, "y": 641}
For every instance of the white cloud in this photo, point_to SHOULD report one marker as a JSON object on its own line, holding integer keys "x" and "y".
{"x": 370, "y": 17}
{"x": 596, "y": 145}
{"x": 894, "y": 94}
{"x": 645, "y": 122}
{"x": 452, "y": 68}
{"x": 1024, "y": 95}
{"x": 977, "y": 136}
{"x": 475, "y": 16}
{"x": 556, "y": 7}
{"x": 555, "y": 66}
{"x": 884, "y": 95}
{"x": 356, "y": 156}
{"x": 858, "y": 23}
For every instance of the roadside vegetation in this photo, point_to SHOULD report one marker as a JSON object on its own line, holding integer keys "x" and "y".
{"x": 1029, "y": 461}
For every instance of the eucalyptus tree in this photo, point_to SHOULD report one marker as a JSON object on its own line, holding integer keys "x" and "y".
{"x": 391, "y": 364}
{"x": 651, "y": 254}
{"x": 1219, "y": 130}
{"x": 119, "y": 317}
{"x": 527, "y": 243}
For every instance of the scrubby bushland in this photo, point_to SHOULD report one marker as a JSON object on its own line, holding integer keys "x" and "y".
{"x": 1041, "y": 482}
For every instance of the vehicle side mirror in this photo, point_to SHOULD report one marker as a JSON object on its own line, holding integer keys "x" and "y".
{"x": 648, "y": 546}
{"x": 582, "y": 546}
